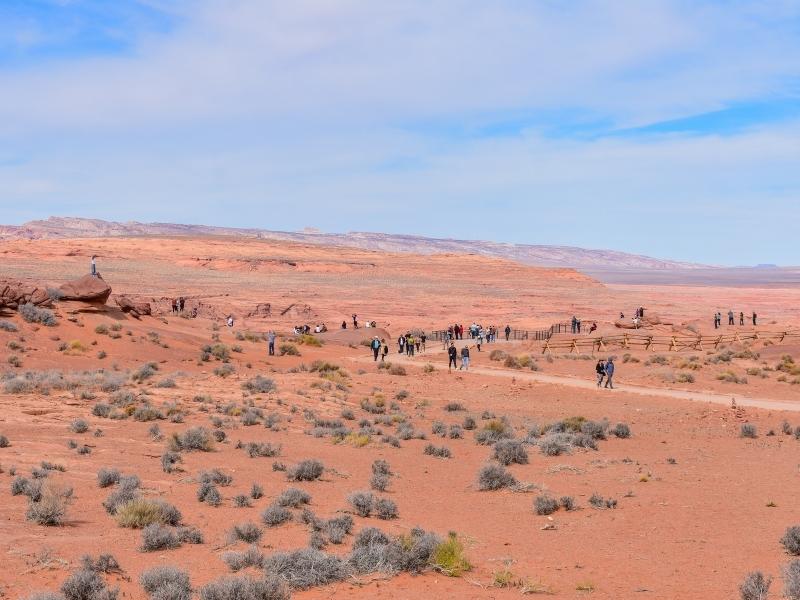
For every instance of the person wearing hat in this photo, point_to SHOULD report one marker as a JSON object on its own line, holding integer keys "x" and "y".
{"x": 376, "y": 347}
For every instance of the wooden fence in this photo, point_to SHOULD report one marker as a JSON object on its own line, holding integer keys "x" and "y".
{"x": 646, "y": 341}
{"x": 533, "y": 335}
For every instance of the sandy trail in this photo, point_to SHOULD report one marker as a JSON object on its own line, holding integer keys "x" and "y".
{"x": 438, "y": 358}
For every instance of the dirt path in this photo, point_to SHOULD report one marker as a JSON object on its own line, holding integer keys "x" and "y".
{"x": 439, "y": 360}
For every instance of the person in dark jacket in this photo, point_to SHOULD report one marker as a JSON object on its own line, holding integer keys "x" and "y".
{"x": 376, "y": 348}
{"x": 600, "y": 369}
{"x": 508, "y": 331}
{"x": 452, "y": 353}
{"x": 385, "y": 350}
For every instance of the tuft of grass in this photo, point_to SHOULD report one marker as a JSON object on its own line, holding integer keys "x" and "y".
{"x": 259, "y": 385}
{"x": 141, "y": 512}
{"x": 748, "y": 430}
{"x": 166, "y": 583}
{"x": 755, "y": 586}
{"x": 306, "y": 470}
{"x": 449, "y": 557}
{"x": 494, "y": 477}
{"x": 545, "y": 505}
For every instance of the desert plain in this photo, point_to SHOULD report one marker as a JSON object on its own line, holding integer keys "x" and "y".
{"x": 676, "y": 484}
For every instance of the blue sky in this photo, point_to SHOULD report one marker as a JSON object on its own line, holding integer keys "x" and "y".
{"x": 667, "y": 127}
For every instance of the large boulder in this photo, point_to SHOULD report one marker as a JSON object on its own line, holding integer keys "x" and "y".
{"x": 88, "y": 288}
{"x": 14, "y": 292}
{"x": 133, "y": 308}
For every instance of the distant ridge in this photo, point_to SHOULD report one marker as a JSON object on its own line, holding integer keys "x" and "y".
{"x": 549, "y": 256}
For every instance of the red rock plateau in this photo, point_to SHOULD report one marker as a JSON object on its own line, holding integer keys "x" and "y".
{"x": 697, "y": 504}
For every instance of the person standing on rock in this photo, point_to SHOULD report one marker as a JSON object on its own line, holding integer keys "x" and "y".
{"x": 609, "y": 373}
{"x": 94, "y": 265}
{"x": 376, "y": 348}
{"x": 452, "y": 353}
{"x": 271, "y": 342}
{"x": 600, "y": 369}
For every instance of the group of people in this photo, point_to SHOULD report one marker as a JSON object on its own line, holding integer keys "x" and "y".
{"x": 411, "y": 344}
{"x": 178, "y": 304}
{"x": 605, "y": 371}
{"x": 476, "y": 332}
{"x": 732, "y": 319}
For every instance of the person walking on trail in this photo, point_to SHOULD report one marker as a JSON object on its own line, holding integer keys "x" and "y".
{"x": 181, "y": 303}
{"x": 716, "y": 320}
{"x": 741, "y": 319}
{"x": 375, "y": 344}
{"x": 271, "y": 342}
{"x": 174, "y": 306}
{"x": 755, "y": 318}
{"x": 464, "y": 358}
{"x": 409, "y": 345}
{"x": 609, "y": 373}
{"x": 422, "y": 338}
{"x": 385, "y": 350}
{"x": 730, "y": 318}
{"x": 452, "y": 353}
{"x": 600, "y": 369}
{"x": 94, "y": 265}
{"x": 508, "y": 332}
{"x": 479, "y": 339}
{"x": 401, "y": 344}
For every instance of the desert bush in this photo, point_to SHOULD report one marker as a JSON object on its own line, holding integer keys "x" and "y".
{"x": 241, "y": 501}
{"x": 259, "y": 385}
{"x": 256, "y": 491}
{"x": 508, "y": 452}
{"x": 362, "y": 503}
{"x": 306, "y": 568}
{"x": 567, "y": 502}
{"x": 493, "y": 431}
{"x": 147, "y": 413}
{"x": 438, "y": 452}
{"x": 195, "y": 438}
{"x": 189, "y": 535}
{"x": 306, "y": 470}
{"x": 244, "y": 588}
{"x": 126, "y": 491}
{"x": 208, "y": 493}
{"x": 236, "y": 561}
{"x": 166, "y": 583}
{"x": 245, "y": 532}
{"x": 791, "y": 540}
{"x": 731, "y": 377}
{"x": 50, "y": 509}
{"x": 141, "y": 512}
{"x": 428, "y": 368}
{"x": 167, "y": 382}
{"x": 107, "y": 477}
{"x": 545, "y": 505}
{"x": 554, "y": 444}
{"x": 498, "y": 355}
{"x": 755, "y": 586}
{"x": 293, "y": 498}
{"x": 454, "y": 407}
{"x": 448, "y": 557}
{"x": 621, "y": 430}
{"x": 595, "y": 429}
{"x": 439, "y": 428}
{"x": 216, "y": 477}
{"x": 494, "y": 477}
{"x": 397, "y": 370}
{"x": 145, "y": 372}
{"x": 287, "y": 349}
{"x": 79, "y": 426}
{"x": 385, "y": 509}
{"x": 748, "y": 430}
{"x": 597, "y": 501}
{"x": 101, "y": 410}
{"x": 170, "y": 461}
{"x": 254, "y": 449}
{"x": 86, "y": 584}
{"x": 158, "y": 537}
{"x": 348, "y": 414}
{"x": 275, "y": 515}
{"x": 791, "y": 580}
{"x": 469, "y": 423}
{"x": 33, "y": 314}
{"x": 379, "y": 482}
{"x": 7, "y": 326}
{"x": 4, "y": 443}
{"x": 105, "y": 563}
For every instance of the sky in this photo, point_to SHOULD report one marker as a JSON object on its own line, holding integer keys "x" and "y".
{"x": 662, "y": 127}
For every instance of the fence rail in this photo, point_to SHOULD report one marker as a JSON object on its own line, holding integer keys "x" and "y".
{"x": 669, "y": 342}
{"x": 532, "y": 335}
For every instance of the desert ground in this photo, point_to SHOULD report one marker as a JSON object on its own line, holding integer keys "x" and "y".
{"x": 677, "y": 484}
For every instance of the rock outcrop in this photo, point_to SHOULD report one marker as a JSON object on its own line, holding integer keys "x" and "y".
{"x": 14, "y": 292}
{"x": 133, "y": 308}
{"x": 262, "y": 309}
{"x": 89, "y": 289}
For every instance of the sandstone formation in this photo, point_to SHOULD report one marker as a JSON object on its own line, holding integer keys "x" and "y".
{"x": 92, "y": 290}
{"x": 14, "y": 292}
{"x": 133, "y": 308}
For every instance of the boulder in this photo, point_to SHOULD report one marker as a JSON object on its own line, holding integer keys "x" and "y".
{"x": 135, "y": 309}
{"x": 89, "y": 289}
{"x": 14, "y": 292}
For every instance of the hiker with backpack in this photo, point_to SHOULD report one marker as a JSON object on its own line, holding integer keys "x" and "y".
{"x": 375, "y": 344}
